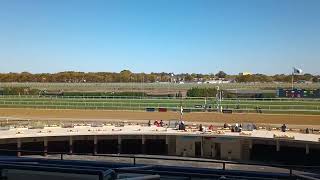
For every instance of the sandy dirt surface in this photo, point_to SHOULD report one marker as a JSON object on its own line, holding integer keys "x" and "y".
{"x": 208, "y": 117}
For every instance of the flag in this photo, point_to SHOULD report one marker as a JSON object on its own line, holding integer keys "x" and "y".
{"x": 297, "y": 71}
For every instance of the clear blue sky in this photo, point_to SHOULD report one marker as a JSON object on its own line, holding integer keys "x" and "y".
{"x": 201, "y": 36}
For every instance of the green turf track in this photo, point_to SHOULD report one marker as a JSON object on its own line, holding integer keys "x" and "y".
{"x": 286, "y": 106}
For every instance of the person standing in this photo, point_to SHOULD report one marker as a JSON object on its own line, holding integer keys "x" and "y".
{"x": 283, "y": 128}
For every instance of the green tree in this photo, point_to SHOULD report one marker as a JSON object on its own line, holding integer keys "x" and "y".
{"x": 221, "y": 74}
{"x": 125, "y": 76}
{"x": 315, "y": 79}
{"x": 188, "y": 78}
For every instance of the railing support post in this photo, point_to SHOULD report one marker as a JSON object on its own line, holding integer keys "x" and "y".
{"x": 95, "y": 145}
{"x": 70, "y": 145}
{"x": 19, "y": 147}
{"x": 224, "y": 166}
{"x": 45, "y": 146}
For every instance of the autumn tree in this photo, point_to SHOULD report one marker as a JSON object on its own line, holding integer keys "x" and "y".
{"x": 125, "y": 76}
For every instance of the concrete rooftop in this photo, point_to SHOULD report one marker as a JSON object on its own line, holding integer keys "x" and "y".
{"x": 153, "y": 130}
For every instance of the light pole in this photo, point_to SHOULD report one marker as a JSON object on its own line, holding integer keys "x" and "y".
{"x": 292, "y": 81}
{"x": 143, "y": 85}
{"x": 172, "y": 81}
{"x": 219, "y": 98}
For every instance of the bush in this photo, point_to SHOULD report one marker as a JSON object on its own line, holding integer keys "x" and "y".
{"x": 99, "y": 94}
{"x": 19, "y": 91}
{"x": 269, "y": 95}
{"x": 202, "y": 92}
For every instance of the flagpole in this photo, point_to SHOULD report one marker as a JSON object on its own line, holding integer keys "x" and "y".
{"x": 296, "y": 71}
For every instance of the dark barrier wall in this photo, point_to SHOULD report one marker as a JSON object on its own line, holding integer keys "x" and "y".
{"x": 32, "y": 146}
{"x": 83, "y": 146}
{"x": 58, "y": 146}
{"x": 292, "y": 155}
{"x": 11, "y": 146}
{"x": 286, "y": 155}
{"x": 150, "y": 109}
{"x": 314, "y": 156}
{"x": 155, "y": 147}
{"x": 227, "y": 111}
{"x": 186, "y": 110}
{"x": 162, "y": 109}
{"x": 262, "y": 152}
{"x": 108, "y": 146}
{"x": 131, "y": 146}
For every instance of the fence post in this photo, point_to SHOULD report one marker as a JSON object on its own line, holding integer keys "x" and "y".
{"x": 134, "y": 160}
{"x": 61, "y": 156}
{"x": 224, "y": 166}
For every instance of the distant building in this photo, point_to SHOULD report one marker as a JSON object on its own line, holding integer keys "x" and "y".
{"x": 245, "y": 73}
{"x": 198, "y": 80}
{"x": 219, "y": 81}
{"x": 298, "y": 93}
{"x": 304, "y": 82}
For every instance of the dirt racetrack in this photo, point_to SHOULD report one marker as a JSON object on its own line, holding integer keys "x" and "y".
{"x": 207, "y": 117}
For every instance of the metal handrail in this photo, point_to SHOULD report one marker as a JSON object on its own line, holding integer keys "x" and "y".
{"x": 188, "y": 174}
{"x": 100, "y": 173}
{"x": 290, "y": 168}
{"x": 159, "y": 98}
{"x": 305, "y": 177}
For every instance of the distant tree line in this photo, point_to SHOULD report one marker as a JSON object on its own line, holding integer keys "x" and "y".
{"x": 276, "y": 78}
{"x": 57, "y": 93}
{"x": 128, "y": 76}
{"x": 82, "y": 77}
